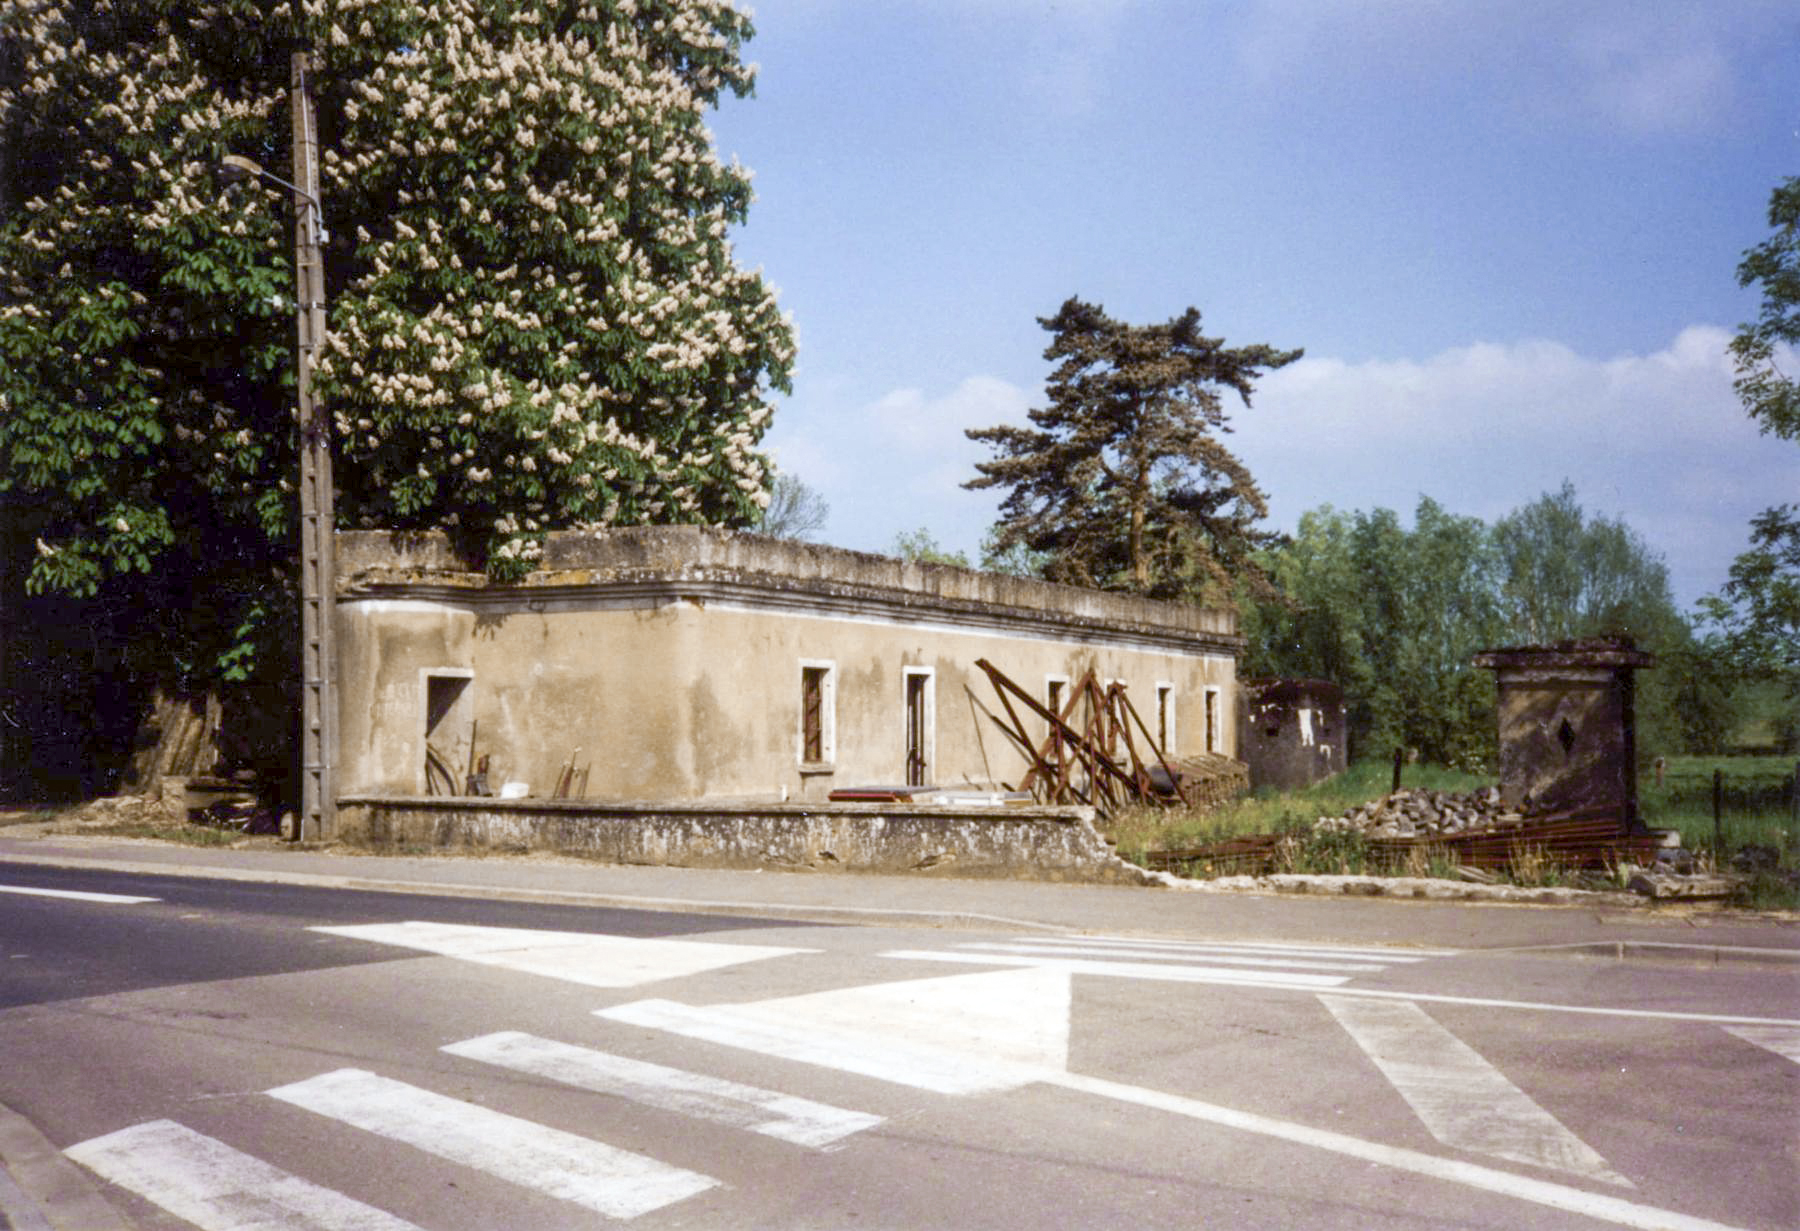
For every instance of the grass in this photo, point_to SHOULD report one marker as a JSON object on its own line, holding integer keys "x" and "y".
{"x": 1755, "y": 812}
{"x": 1141, "y": 830}
{"x": 185, "y": 835}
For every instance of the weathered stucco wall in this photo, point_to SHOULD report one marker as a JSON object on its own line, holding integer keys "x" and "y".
{"x": 1291, "y": 733}
{"x": 1054, "y": 844}
{"x": 672, "y": 659}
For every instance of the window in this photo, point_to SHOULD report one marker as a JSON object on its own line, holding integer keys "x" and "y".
{"x": 921, "y": 725}
{"x": 1213, "y": 733}
{"x": 818, "y": 713}
{"x": 1056, "y": 689}
{"x": 448, "y": 730}
{"x": 1165, "y": 718}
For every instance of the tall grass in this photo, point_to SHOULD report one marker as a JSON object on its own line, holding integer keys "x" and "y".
{"x": 1756, "y": 805}
{"x": 1140, "y": 830}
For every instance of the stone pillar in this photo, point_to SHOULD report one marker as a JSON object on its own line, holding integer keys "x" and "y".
{"x": 1568, "y": 738}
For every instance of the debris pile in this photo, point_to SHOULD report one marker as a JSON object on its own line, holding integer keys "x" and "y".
{"x": 1411, "y": 813}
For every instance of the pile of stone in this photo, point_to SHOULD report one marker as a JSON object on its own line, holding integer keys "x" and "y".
{"x": 1410, "y": 813}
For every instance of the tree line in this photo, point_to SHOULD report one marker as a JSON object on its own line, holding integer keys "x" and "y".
{"x": 1394, "y": 613}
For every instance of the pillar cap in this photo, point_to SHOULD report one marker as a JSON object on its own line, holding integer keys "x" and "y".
{"x": 1615, "y": 652}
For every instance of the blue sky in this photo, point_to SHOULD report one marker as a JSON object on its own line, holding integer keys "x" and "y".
{"x": 1506, "y": 235}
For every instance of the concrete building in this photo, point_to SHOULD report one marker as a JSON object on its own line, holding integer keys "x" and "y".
{"x": 690, "y": 664}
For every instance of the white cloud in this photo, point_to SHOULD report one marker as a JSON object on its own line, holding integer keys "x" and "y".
{"x": 1659, "y": 440}
{"x": 1640, "y": 68}
{"x": 897, "y": 463}
{"x": 1656, "y": 439}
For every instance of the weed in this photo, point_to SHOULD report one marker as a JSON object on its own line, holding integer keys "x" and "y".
{"x": 1772, "y": 889}
{"x": 1532, "y": 865}
{"x": 1332, "y": 853}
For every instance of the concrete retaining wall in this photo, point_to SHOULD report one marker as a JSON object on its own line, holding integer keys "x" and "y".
{"x": 1048, "y": 844}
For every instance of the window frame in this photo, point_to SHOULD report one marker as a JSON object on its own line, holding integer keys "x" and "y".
{"x": 927, "y": 723}
{"x": 826, "y": 670}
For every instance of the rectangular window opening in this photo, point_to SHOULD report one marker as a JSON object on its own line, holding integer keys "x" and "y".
{"x": 1212, "y": 720}
{"x": 818, "y": 714}
{"x": 447, "y": 730}
{"x": 1056, "y": 690}
{"x": 1165, "y": 718}
{"x": 921, "y": 722}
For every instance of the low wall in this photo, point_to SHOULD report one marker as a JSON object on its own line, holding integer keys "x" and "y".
{"x": 1036, "y": 843}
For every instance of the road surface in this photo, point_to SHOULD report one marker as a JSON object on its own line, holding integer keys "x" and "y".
{"x": 226, "y": 1055}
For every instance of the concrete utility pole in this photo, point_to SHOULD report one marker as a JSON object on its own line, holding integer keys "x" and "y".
{"x": 318, "y": 566}
{"x": 318, "y": 572}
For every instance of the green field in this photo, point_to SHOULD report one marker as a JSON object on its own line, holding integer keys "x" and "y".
{"x": 1756, "y": 803}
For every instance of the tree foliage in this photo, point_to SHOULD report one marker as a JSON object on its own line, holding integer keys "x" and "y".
{"x": 921, "y": 546}
{"x": 1395, "y": 614}
{"x": 1755, "y": 618}
{"x": 1122, "y": 481}
{"x": 1565, "y": 574}
{"x": 1753, "y": 623}
{"x": 796, "y": 509}
{"x": 1769, "y": 392}
{"x": 535, "y": 316}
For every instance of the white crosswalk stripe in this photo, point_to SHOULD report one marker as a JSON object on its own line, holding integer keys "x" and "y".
{"x": 1463, "y": 1100}
{"x": 591, "y": 958}
{"x": 1782, "y": 1040}
{"x": 1148, "y": 953}
{"x": 1160, "y": 972}
{"x": 589, "y": 1173}
{"x": 782, "y": 1116}
{"x": 1177, "y": 961}
{"x": 963, "y": 1034}
{"x": 1270, "y": 949}
{"x": 76, "y": 895}
{"x": 216, "y": 1188}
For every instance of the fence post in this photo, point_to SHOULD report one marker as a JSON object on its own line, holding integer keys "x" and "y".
{"x": 1399, "y": 757}
{"x": 1718, "y": 825}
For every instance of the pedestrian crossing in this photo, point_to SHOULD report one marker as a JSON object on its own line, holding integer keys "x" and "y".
{"x": 959, "y": 1035}
{"x": 781, "y": 1116}
{"x": 217, "y": 1187}
{"x": 203, "y": 1181}
{"x": 1176, "y": 961}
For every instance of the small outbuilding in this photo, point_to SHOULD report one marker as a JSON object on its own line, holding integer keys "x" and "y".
{"x": 1568, "y": 734}
{"x": 1291, "y": 733}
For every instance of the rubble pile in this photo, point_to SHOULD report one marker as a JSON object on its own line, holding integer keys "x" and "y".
{"x": 1410, "y": 813}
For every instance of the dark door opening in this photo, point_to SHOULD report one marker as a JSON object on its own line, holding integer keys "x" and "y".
{"x": 918, "y": 700}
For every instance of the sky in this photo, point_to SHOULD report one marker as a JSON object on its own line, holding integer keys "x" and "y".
{"x": 1506, "y": 235}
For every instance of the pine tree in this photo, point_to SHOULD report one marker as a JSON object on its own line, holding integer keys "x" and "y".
{"x": 1122, "y": 480}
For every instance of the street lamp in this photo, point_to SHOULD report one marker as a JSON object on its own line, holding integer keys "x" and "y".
{"x": 318, "y": 572}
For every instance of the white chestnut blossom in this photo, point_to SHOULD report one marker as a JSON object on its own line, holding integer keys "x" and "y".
{"x": 533, "y": 306}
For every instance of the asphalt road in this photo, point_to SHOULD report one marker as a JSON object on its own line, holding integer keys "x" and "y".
{"x": 228, "y": 1054}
